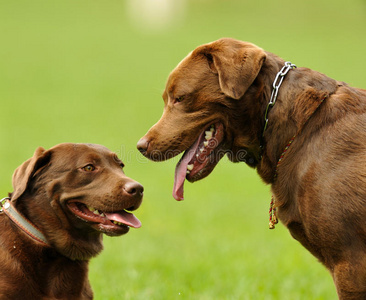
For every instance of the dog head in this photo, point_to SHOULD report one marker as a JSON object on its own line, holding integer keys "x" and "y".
{"x": 206, "y": 110}
{"x": 75, "y": 192}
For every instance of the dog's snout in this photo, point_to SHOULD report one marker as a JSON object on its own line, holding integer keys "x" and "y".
{"x": 134, "y": 188}
{"x": 142, "y": 145}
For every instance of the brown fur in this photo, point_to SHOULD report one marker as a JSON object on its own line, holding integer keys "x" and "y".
{"x": 43, "y": 186}
{"x": 320, "y": 190}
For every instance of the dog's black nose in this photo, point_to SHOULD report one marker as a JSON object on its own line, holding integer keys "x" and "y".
{"x": 142, "y": 145}
{"x": 134, "y": 188}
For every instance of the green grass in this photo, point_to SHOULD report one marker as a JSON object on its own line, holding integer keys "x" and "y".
{"x": 84, "y": 71}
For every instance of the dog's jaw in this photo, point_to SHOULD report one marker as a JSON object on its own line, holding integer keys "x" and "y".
{"x": 200, "y": 159}
{"x": 112, "y": 223}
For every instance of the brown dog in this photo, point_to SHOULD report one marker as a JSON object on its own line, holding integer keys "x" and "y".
{"x": 218, "y": 101}
{"x": 67, "y": 197}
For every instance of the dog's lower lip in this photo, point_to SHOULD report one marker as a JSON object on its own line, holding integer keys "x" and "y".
{"x": 104, "y": 220}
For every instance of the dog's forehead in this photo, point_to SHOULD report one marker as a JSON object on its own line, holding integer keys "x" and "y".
{"x": 184, "y": 60}
{"x": 184, "y": 75}
{"x": 81, "y": 152}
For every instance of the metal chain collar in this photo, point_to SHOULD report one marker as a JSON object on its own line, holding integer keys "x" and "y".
{"x": 276, "y": 86}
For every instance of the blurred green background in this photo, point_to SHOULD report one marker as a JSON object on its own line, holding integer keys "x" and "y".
{"x": 94, "y": 71}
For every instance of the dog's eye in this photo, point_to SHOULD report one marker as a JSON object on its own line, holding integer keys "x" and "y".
{"x": 179, "y": 99}
{"x": 88, "y": 168}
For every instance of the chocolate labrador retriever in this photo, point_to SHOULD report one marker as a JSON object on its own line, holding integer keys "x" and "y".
{"x": 304, "y": 132}
{"x": 64, "y": 199}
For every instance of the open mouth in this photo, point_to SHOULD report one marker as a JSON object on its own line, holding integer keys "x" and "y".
{"x": 200, "y": 159}
{"x": 112, "y": 223}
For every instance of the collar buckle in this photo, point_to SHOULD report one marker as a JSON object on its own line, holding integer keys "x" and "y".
{"x": 4, "y": 203}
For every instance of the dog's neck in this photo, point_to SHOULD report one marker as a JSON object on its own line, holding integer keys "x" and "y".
{"x": 25, "y": 225}
{"x": 275, "y": 89}
{"x": 292, "y": 110}
{"x": 252, "y": 120}
{"x": 44, "y": 267}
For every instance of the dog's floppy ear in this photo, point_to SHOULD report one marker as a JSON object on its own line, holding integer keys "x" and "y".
{"x": 236, "y": 63}
{"x": 26, "y": 171}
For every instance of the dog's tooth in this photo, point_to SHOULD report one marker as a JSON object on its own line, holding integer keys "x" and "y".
{"x": 201, "y": 150}
{"x": 102, "y": 215}
{"x": 91, "y": 208}
{"x": 205, "y": 143}
{"x": 96, "y": 212}
{"x": 208, "y": 135}
{"x": 115, "y": 222}
{"x": 212, "y": 129}
{"x": 190, "y": 167}
{"x": 188, "y": 172}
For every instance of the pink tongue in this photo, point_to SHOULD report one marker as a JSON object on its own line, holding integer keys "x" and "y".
{"x": 125, "y": 218}
{"x": 181, "y": 170}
